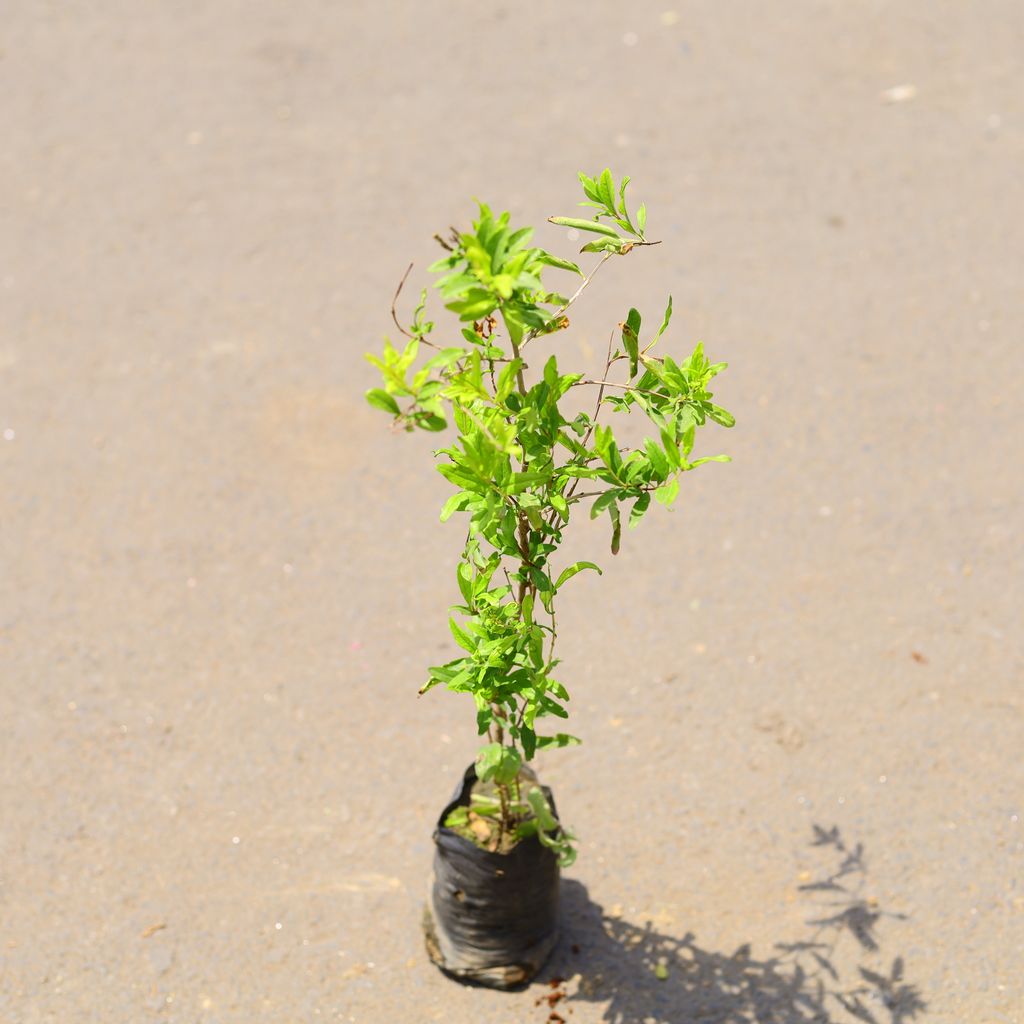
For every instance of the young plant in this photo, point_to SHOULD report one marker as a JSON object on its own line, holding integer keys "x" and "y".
{"x": 523, "y": 466}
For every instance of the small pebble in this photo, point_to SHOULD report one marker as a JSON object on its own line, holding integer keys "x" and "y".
{"x": 900, "y": 93}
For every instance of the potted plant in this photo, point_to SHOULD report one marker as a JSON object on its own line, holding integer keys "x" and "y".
{"x": 523, "y": 463}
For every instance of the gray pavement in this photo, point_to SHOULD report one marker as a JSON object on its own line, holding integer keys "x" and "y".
{"x": 222, "y": 576}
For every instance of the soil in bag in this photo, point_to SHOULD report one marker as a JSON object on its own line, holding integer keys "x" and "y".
{"x": 490, "y": 918}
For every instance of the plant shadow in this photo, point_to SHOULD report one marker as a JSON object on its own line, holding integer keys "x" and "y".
{"x": 646, "y": 977}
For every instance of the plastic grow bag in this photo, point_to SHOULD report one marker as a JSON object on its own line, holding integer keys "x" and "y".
{"x": 490, "y": 918}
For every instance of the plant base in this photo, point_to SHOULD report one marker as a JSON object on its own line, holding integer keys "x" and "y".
{"x": 477, "y": 970}
{"x": 490, "y": 918}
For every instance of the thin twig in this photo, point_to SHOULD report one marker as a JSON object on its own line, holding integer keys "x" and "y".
{"x": 394, "y": 315}
{"x": 394, "y": 301}
{"x": 626, "y": 387}
{"x": 600, "y": 392}
{"x": 579, "y": 291}
{"x": 593, "y": 421}
{"x": 520, "y": 379}
{"x": 597, "y": 494}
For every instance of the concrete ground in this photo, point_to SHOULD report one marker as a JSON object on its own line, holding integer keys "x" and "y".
{"x": 222, "y": 576}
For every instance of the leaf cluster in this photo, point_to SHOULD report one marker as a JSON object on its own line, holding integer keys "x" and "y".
{"x": 528, "y": 816}
{"x": 522, "y": 464}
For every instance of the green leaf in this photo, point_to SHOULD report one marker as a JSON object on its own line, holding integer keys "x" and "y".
{"x": 719, "y": 415}
{"x": 667, "y": 492}
{"x": 551, "y": 372}
{"x": 659, "y": 460}
{"x": 604, "y": 443}
{"x": 582, "y": 472}
{"x": 457, "y": 818}
{"x": 606, "y": 190}
{"x": 557, "y": 689}
{"x": 540, "y": 579}
{"x": 484, "y": 718}
{"x": 502, "y": 284}
{"x": 631, "y": 340}
{"x": 456, "y": 503}
{"x": 561, "y": 739}
{"x": 522, "y": 481}
{"x": 499, "y": 763}
{"x": 569, "y": 571}
{"x": 664, "y": 323}
{"x": 477, "y": 303}
{"x": 541, "y": 809}
{"x": 603, "y": 501}
{"x": 528, "y": 738}
{"x": 556, "y": 261}
{"x": 464, "y": 577}
{"x": 604, "y": 245}
{"x": 507, "y": 380}
{"x": 589, "y": 185}
{"x": 641, "y": 218}
{"x": 585, "y": 225}
{"x": 462, "y": 638}
{"x": 566, "y": 855}
{"x": 613, "y": 511}
{"x": 430, "y": 421}
{"x": 380, "y": 399}
{"x": 639, "y": 508}
{"x": 525, "y": 829}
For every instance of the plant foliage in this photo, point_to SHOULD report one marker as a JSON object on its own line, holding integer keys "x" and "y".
{"x": 522, "y": 466}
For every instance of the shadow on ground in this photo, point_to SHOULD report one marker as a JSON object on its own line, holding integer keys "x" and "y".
{"x": 646, "y": 977}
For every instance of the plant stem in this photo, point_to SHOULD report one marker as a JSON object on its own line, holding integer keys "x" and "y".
{"x": 597, "y": 494}
{"x": 625, "y": 387}
{"x": 520, "y": 380}
{"x": 394, "y": 315}
{"x": 597, "y": 412}
{"x": 506, "y": 821}
{"x": 575, "y": 295}
{"x": 524, "y": 587}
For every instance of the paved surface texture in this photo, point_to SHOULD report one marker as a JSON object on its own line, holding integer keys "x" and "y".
{"x": 222, "y": 575}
